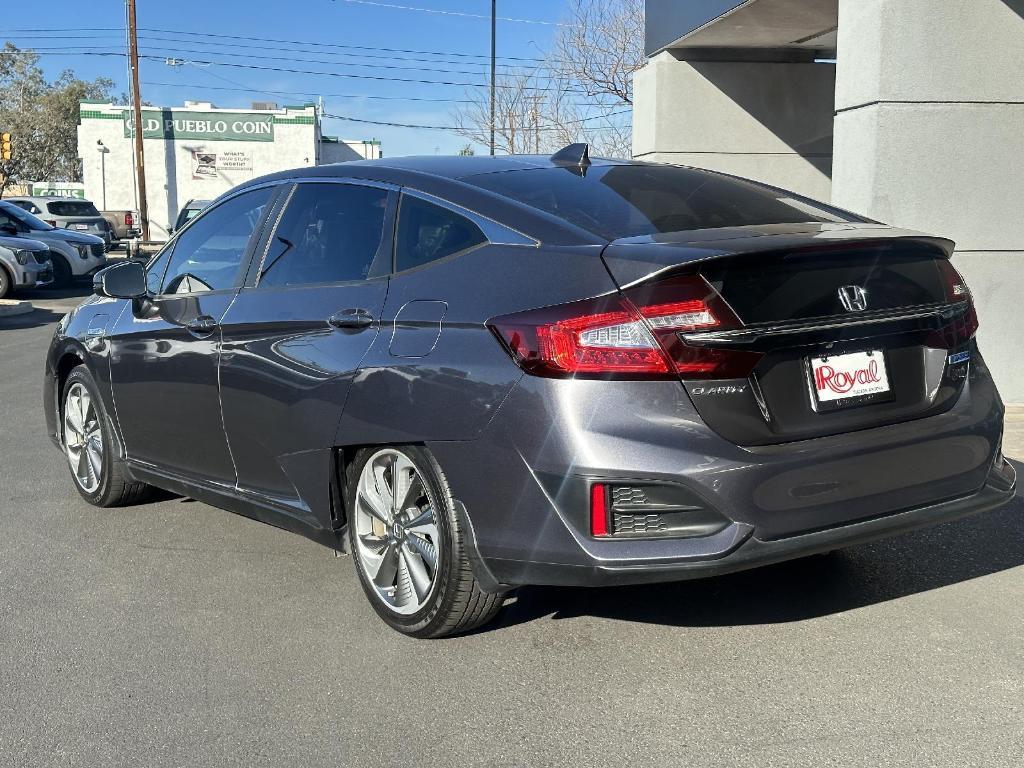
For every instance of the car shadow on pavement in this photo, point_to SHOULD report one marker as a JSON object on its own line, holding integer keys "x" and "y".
{"x": 812, "y": 587}
{"x": 34, "y": 319}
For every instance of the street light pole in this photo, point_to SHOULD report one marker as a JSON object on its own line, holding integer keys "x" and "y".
{"x": 103, "y": 172}
{"x": 140, "y": 165}
{"x": 494, "y": 35}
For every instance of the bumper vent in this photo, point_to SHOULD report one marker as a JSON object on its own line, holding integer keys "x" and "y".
{"x": 659, "y": 511}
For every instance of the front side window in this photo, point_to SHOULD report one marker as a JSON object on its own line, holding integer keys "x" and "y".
{"x": 12, "y": 214}
{"x": 208, "y": 255}
{"x": 428, "y": 232}
{"x": 329, "y": 233}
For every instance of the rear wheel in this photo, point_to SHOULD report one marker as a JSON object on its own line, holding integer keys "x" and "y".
{"x": 99, "y": 475}
{"x": 408, "y": 545}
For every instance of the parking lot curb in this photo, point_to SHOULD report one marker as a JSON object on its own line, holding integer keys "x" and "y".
{"x": 9, "y": 308}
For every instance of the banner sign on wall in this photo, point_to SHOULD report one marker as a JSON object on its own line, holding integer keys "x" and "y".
{"x": 58, "y": 189}
{"x": 203, "y": 126}
{"x": 208, "y": 165}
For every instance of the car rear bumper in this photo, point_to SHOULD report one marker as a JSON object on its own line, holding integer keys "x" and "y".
{"x": 525, "y": 483}
{"x": 752, "y": 552}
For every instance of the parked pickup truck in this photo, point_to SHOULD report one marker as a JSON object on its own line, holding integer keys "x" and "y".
{"x": 123, "y": 224}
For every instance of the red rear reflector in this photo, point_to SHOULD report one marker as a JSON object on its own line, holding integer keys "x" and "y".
{"x": 599, "y": 510}
{"x": 129, "y": 220}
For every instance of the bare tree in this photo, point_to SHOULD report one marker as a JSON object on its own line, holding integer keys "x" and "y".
{"x": 583, "y": 92}
{"x": 601, "y": 46}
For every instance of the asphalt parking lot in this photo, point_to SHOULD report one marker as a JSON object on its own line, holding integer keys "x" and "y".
{"x": 176, "y": 634}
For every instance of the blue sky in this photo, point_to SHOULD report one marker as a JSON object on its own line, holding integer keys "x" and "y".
{"x": 312, "y": 33}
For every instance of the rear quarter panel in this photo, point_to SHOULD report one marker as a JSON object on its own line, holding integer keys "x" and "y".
{"x": 451, "y": 390}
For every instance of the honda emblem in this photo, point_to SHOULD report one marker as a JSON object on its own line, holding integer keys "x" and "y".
{"x": 853, "y": 298}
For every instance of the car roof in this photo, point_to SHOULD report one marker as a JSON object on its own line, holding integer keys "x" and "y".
{"x": 451, "y": 167}
{"x": 48, "y": 198}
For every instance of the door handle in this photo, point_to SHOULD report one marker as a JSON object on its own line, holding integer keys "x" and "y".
{"x": 351, "y": 319}
{"x": 203, "y": 325}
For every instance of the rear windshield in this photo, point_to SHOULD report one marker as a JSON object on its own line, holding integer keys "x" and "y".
{"x": 72, "y": 208}
{"x": 632, "y": 200}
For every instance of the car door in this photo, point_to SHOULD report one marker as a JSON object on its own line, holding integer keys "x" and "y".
{"x": 295, "y": 336}
{"x": 164, "y": 349}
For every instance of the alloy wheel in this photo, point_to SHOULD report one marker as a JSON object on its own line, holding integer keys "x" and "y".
{"x": 397, "y": 539}
{"x": 83, "y": 438}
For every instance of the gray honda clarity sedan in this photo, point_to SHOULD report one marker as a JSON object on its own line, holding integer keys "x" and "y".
{"x": 479, "y": 373}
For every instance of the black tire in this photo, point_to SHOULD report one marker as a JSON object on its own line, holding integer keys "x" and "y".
{"x": 115, "y": 487}
{"x": 5, "y": 283}
{"x": 61, "y": 271}
{"x": 456, "y": 604}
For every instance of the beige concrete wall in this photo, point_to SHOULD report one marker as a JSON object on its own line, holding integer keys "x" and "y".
{"x": 929, "y": 135}
{"x": 763, "y": 120}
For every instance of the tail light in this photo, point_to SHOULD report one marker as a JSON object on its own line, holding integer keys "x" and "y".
{"x": 633, "y": 335}
{"x": 129, "y": 220}
{"x": 51, "y": 222}
{"x": 961, "y": 329}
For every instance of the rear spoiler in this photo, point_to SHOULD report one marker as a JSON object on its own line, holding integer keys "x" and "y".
{"x": 634, "y": 259}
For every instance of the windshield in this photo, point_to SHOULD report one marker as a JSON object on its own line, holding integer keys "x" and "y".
{"x": 631, "y": 200}
{"x": 72, "y": 208}
{"x": 26, "y": 218}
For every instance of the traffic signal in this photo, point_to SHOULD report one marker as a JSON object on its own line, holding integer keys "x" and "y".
{"x": 5, "y": 146}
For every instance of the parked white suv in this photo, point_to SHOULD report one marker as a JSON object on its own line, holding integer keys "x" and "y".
{"x": 74, "y": 254}
{"x": 23, "y": 264}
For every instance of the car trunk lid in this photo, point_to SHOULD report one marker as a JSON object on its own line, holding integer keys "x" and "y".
{"x": 845, "y": 327}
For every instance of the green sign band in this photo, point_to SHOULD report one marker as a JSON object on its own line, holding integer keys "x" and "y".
{"x": 204, "y": 126}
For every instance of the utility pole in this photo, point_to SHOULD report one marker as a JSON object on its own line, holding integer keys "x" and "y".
{"x": 494, "y": 51}
{"x": 140, "y": 164}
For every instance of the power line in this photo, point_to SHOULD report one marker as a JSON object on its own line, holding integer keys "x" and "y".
{"x": 290, "y": 43}
{"x": 526, "y": 129}
{"x": 247, "y": 89}
{"x": 221, "y": 36}
{"x": 451, "y": 13}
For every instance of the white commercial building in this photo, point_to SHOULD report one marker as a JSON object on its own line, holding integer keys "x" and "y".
{"x": 198, "y": 151}
{"x": 906, "y": 111}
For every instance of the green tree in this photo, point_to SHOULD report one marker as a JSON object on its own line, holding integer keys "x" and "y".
{"x": 42, "y": 117}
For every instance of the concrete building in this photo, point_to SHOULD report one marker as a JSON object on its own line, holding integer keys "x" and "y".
{"x": 919, "y": 122}
{"x": 198, "y": 151}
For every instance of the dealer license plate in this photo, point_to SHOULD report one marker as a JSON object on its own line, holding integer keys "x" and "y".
{"x": 80, "y": 226}
{"x": 856, "y": 378}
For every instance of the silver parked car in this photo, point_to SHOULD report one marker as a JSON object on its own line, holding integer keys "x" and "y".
{"x": 73, "y": 254}
{"x": 68, "y": 213}
{"x": 23, "y": 264}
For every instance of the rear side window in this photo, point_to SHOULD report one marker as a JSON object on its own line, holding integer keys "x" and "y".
{"x": 427, "y": 232}
{"x": 72, "y": 208}
{"x": 26, "y": 205}
{"x": 208, "y": 255}
{"x": 633, "y": 200}
{"x": 329, "y": 233}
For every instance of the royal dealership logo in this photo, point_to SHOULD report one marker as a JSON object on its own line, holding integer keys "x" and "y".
{"x": 841, "y": 382}
{"x": 853, "y": 298}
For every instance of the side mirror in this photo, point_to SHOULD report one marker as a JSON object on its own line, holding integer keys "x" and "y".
{"x": 8, "y": 229}
{"x": 126, "y": 280}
